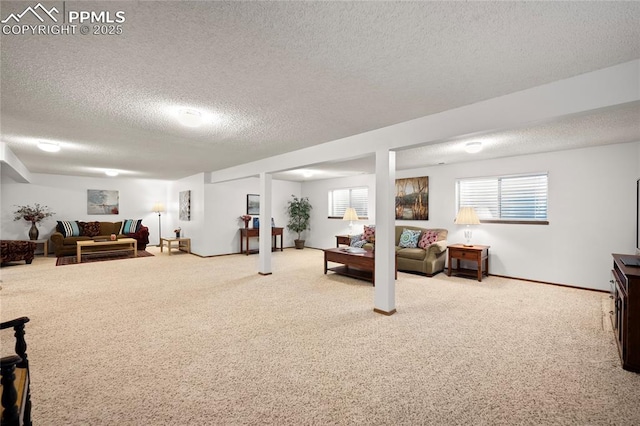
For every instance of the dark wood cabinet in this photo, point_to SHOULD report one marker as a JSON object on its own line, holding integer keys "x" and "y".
{"x": 625, "y": 312}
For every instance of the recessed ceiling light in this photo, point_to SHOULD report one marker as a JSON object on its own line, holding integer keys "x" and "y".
{"x": 111, "y": 173}
{"x": 307, "y": 174}
{"x": 473, "y": 147}
{"x": 190, "y": 117}
{"x": 49, "y": 146}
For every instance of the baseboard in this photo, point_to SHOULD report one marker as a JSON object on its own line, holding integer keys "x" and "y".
{"x": 549, "y": 283}
{"x": 380, "y": 311}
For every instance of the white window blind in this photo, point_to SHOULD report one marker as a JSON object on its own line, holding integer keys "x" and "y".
{"x": 506, "y": 198}
{"x": 340, "y": 199}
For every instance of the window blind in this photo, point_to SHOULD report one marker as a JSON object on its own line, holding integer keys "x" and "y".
{"x": 517, "y": 198}
{"x": 341, "y": 199}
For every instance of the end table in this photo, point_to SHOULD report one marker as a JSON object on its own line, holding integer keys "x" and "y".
{"x": 343, "y": 239}
{"x": 475, "y": 253}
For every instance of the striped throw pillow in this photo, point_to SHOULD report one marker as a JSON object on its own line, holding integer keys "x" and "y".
{"x": 69, "y": 228}
{"x": 130, "y": 226}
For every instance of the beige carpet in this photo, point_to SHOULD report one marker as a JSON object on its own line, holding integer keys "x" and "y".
{"x": 181, "y": 340}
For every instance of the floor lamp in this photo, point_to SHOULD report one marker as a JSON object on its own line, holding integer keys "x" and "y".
{"x": 159, "y": 208}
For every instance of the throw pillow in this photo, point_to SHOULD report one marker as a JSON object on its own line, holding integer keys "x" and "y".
{"x": 69, "y": 228}
{"x": 369, "y": 233}
{"x": 90, "y": 229}
{"x": 355, "y": 239}
{"x": 428, "y": 238}
{"x": 130, "y": 226}
{"x": 359, "y": 244}
{"x": 409, "y": 238}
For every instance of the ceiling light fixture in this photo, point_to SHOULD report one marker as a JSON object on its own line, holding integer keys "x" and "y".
{"x": 111, "y": 173}
{"x": 190, "y": 117}
{"x": 473, "y": 147}
{"x": 49, "y": 146}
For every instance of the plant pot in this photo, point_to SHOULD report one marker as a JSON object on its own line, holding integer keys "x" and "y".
{"x": 33, "y": 231}
{"x": 299, "y": 244}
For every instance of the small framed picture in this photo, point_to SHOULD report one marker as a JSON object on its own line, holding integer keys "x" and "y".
{"x": 253, "y": 204}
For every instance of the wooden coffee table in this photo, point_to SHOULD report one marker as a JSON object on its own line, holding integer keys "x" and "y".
{"x": 355, "y": 265}
{"x": 107, "y": 246}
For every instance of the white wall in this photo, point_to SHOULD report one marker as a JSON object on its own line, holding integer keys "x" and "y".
{"x": 592, "y": 213}
{"x": 227, "y": 201}
{"x": 195, "y": 227}
{"x": 67, "y": 197}
{"x": 323, "y": 230}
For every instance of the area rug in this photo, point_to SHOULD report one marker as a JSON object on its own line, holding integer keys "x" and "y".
{"x": 100, "y": 257}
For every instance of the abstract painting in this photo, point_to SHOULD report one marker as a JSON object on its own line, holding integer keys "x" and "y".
{"x": 100, "y": 201}
{"x": 253, "y": 204}
{"x": 185, "y": 205}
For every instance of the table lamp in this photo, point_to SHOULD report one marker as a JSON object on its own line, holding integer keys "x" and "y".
{"x": 350, "y": 215}
{"x": 467, "y": 216}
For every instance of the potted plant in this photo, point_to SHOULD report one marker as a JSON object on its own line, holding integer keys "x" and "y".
{"x": 33, "y": 214}
{"x": 299, "y": 211}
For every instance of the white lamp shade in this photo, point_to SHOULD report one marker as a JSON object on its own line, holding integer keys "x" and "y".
{"x": 350, "y": 214}
{"x": 158, "y": 208}
{"x": 467, "y": 216}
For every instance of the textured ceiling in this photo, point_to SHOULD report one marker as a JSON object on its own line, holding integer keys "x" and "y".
{"x": 281, "y": 76}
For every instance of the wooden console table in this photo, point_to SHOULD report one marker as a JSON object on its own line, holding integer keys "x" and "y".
{"x": 475, "y": 253}
{"x": 246, "y": 233}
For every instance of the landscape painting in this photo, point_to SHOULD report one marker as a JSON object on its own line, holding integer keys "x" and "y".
{"x": 412, "y": 198}
{"x": 100, "y": 201}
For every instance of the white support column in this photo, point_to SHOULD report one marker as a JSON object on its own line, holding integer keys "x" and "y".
{"x": 265, "y": 225}
{"x": 385, "y": 290}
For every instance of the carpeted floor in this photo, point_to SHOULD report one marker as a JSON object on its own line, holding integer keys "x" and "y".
{"x": 101, "y": 257}
{"x": 182, "y": 340}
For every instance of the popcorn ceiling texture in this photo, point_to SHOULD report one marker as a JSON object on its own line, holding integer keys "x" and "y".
{"x": 180, "y": 339}
{"x": 282, "y": 75}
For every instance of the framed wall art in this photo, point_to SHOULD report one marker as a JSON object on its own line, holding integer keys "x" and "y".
{"x": 253, "y": 204}
{"x": 185, "y": 205}
{"x": 100, "y": 201}
{"x": 412, "y": 198}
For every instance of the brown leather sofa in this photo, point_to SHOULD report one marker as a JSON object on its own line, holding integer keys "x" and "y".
{"x": 65, "y": 246}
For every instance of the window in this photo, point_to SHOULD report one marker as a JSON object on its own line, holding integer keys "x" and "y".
{"x": 340, "y": 199}
{"x": 506, "y": 199}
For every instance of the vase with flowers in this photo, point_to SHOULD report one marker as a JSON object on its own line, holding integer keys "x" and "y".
{"x": 34, "y": 214}
{"x": 177, "y": 231}
{"x": 246, "y": 218}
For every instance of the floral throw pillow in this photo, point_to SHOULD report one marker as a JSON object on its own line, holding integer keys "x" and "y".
{"x": 369, "y": 233}
{"x": 428, "y": 238}
{"x": 90, "y": 229}
{"x": 409, "y": 238}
